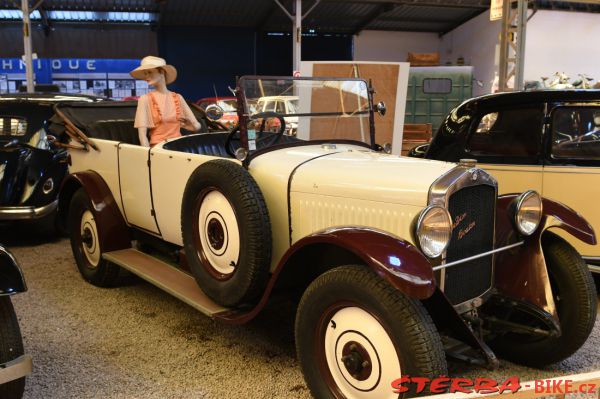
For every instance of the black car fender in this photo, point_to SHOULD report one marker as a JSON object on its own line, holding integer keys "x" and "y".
{"x": 113, "y": 232}
{"x": 11, "y": 276}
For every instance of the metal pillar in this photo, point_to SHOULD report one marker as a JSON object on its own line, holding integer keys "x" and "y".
{"x": 512, "y": 44}
{"x": 297, "y": 18}
{"x": 27, "y": 45}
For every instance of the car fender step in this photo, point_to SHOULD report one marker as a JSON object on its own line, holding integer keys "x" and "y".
{"x": 166, "y": 277}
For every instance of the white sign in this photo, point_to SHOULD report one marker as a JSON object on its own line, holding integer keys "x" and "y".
{"x": 496, "y": 10}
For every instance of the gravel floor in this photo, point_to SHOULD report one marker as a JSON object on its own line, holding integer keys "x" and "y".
{"x": 139, "y": 342}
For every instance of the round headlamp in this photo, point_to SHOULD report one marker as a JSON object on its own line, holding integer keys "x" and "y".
{"x": 528, "y": 212}
{"x": 433, "y": 230}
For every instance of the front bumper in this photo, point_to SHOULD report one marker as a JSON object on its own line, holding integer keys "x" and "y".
{"x": 15, "y": 369}
{"x": 26, "y": 212}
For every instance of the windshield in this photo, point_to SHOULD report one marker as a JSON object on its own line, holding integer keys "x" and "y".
{"x": 310, "y": 109}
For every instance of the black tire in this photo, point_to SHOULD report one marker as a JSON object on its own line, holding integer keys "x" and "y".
{"x": 337, "y": 307}
{"x": 576, "y": 304}
{"x": 86, "y": 246}
{"x": 232, "y": 267}
{"x": 11, "y": 347}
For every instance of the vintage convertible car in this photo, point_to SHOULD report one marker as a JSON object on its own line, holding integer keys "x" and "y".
{"x": 14, "y": 364}
{"x": 398, "y": 261}
{"x": 31, "y": 170}
{"x": 544, "y": 140}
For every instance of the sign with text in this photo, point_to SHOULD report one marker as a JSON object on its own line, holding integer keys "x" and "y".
{"x": 496, "y": 10}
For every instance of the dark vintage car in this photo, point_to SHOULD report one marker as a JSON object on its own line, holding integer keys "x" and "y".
{"x": 399, "y": 263}
{"x": 14, "y": 364}
{"x": 548, "y": 141}
{"x": 31, "y": 170}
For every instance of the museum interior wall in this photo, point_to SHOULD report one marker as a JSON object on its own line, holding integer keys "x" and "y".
{"x": 387, "y": 46}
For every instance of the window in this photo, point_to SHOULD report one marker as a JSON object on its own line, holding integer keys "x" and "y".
{"x": 12, "y": 126}
{"x": 576, "y": 133}
{"x": 437, "y": 85}
{"x": 508, "y": 132}
{"x": 281, "y": 107}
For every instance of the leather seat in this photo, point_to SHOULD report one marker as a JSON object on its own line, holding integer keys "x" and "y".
{"x": 214, "y": 144}
{"x": 121, "y": 130}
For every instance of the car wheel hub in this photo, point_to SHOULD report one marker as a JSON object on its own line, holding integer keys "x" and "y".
{"x": 219, "y": 233}
{"x": 360, "y": 355}
{"x": 89, "y": 239}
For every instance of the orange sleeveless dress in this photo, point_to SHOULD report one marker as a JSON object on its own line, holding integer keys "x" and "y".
{"x": 165, "y": 126}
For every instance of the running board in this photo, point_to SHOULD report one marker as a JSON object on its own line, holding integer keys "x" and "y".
{"x": 166, "y": 277}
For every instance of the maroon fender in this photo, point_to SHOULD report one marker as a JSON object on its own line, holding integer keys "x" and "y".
{"x": 395, "y": 260}
{"x": 112, "y": 229}
{"x": 521, "y": 272}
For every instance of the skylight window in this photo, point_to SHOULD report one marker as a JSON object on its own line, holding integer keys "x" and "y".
{"x": 93, "y": 16}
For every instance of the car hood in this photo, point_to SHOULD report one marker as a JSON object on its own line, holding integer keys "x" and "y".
{"x": 351, "y": 172}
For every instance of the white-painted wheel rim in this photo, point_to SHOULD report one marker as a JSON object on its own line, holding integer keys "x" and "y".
{"x": 91, "y": 250}
{"x": 217, "y": 214}
{"x": 355, "y": 325}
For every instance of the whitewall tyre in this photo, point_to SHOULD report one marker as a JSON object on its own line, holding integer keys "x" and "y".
{"x": 356, "y": 334}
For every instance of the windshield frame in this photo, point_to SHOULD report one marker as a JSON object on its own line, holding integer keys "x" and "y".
{"x": 244, "y": 115}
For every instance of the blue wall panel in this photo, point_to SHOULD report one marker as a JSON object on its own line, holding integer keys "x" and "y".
{"x": 207, "y": 56}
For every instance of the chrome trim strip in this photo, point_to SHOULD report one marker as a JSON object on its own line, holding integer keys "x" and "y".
{"x": 26, "y": 212}
{"x": 481, "y": 255}
{"x": 15, "y": 369}
{"x": 594, "y": 268}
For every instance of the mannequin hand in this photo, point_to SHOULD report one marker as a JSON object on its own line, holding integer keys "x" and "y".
{"x": 188, "y": 124}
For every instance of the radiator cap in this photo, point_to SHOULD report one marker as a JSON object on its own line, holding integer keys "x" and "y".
{"x": 467, "y": 163}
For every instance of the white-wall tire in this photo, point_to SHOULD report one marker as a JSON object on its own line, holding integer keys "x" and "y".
{"x": 380, "y": 333}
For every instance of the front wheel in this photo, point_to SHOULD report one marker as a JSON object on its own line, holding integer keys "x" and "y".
{"x": 356, "y": 334}
{"x": 11, "y": 347}
{"x": 576, "y": 304}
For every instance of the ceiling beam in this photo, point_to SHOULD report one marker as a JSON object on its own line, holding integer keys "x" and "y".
{"x": 479, "y": 4}
{"x": 372, "y": 16}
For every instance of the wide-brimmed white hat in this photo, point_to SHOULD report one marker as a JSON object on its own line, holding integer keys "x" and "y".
{"x": 151, "y": 62}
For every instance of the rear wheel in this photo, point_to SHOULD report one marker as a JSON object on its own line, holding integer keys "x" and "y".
{"x": 356, "y": 334}
{"x": 576, "y": 304}
{"x": 86, "y": 245}
{"x": 11, "y": 347}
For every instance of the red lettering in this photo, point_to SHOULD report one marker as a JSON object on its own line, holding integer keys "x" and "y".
{"x": 540, "y": 386}
{"x": 439, "y": 385}
{"x": 421, "y": 383}
{"x": 556, "y": 386}
{"x": 569, "y": 386}
{"x": 462, "y": 385}
{"x": 592, "y": 388}
{"x": 486, "y": 385}
{"x": 511, "y": 384}
{"x": 398, "y": 384}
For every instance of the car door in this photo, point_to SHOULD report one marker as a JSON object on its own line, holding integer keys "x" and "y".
{"x": 134, "y": 182}
{"x": 506, "y": 141}
{"x": 572, "y": 170}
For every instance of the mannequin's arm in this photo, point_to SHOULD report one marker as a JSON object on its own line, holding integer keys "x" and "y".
{"x": 143, "y": 135}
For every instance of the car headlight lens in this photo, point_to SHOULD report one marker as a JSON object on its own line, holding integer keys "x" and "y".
{"x": 434, "y": 230}
{"x": 528, "y": 213}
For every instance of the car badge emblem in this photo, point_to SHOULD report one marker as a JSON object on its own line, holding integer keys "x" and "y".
{"x": 474, "y": 176}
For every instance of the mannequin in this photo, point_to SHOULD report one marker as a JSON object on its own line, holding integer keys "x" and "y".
{"x": 161, "y": 113}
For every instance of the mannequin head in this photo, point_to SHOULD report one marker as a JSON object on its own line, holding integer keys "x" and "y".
{"x": 155, "y": 77}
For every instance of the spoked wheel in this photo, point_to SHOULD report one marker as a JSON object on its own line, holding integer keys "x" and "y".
{"x": 86, "y": 245}
{"x": 355, "y": 334}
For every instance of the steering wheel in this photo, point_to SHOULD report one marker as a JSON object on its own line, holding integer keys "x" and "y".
{"x": 265, "y": 138}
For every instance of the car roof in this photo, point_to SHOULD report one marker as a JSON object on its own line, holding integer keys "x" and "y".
{"x": 534, "y": 96}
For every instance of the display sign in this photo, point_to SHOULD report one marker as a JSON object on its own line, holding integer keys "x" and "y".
{"x": 496, "y": 10}
{"x": 101, "y": 77}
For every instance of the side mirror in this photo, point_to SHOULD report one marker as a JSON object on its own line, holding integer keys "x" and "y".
{"x": 214, "y": 112}
{"x": 381, "y": 108}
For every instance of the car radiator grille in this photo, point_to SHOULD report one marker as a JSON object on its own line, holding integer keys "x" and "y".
{"x": 473, "y": 213}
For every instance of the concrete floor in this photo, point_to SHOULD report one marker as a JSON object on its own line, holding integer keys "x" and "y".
{"x": 139, "y": 342}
